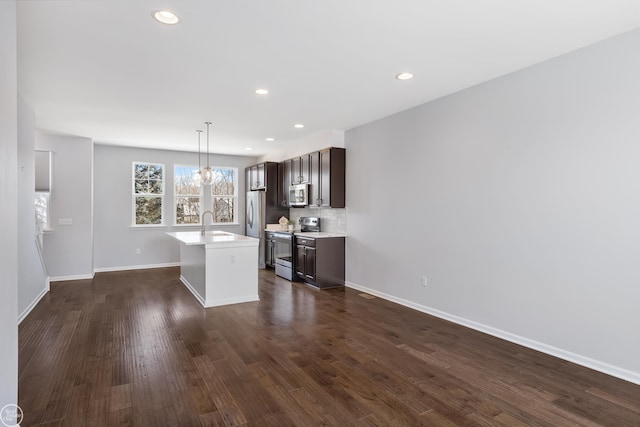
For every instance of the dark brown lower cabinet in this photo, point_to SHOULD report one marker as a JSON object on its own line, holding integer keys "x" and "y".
{"x": 320, "y": 262}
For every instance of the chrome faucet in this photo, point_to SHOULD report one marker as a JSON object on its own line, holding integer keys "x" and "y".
{"x": 203, "y": 226}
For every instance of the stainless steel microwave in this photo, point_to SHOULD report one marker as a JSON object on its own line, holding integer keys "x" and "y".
{"x": 299, "y": 195}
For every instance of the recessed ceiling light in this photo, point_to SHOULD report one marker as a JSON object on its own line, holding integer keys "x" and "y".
{"x": 404, "y": 76}
{"x": 270, "y": 139}
{"x": 262, "y": 91}
{"x": 298, "y": 126}
{"x": 248, "y": 148}
{"x": 166, "y": 17}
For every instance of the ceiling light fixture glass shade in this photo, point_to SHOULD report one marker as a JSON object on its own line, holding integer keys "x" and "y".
{"x": 166, "y": 17}
{"x": 404, "y": 76}
{"x": 207, "y": 174}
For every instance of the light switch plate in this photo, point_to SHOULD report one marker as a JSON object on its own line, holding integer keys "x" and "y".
{"x": 65, "y": 221}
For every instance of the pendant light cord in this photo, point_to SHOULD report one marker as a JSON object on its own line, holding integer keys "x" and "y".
{"x": 199, "y": 163}
{"x": 208, "y": 124}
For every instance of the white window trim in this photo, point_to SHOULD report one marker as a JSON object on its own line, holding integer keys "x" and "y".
{"x": 235, "y": 196}
{"x": 175, "y": 199}
{"x": 134, "y": 195}
{"x": 46, "y": 227}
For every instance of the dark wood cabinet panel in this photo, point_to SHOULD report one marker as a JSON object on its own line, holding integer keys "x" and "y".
{"x": 314, "y": 181}
{"x": 296, "y": 178}
{"x": 300, "y": 168}
{"x": 300, "y": 261}
{"x": 260, "y": 182}
{"x": 263, "y": 176}
{"x": 285, "y": 182}
{"x": 324, "y": 171}
{"x": 321, "y": 262}
{"x": 310, "y": 263}
{"x": 305, "y": 168}
{"x": 269, "y": 249}
{"x": 327, "y": 187}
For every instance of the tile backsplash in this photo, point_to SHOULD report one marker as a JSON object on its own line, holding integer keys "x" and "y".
{"x": 332, "y": 220}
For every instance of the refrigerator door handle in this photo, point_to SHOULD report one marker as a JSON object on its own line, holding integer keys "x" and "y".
{"x": 250, "y": 214}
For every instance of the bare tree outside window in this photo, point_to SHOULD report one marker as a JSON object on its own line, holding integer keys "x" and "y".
{"x": 187, "y": 192}
{"x": 225, "y": 194}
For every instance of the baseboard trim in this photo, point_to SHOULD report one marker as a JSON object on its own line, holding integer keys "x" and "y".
{"x": 229, "y": 301}
{"x": 135, "y": 267}
{"x": 33, "y": 304}
{"x": 74, "y": 277}
{"x": 217, "y": 302}
{"x": 624, "y": 374}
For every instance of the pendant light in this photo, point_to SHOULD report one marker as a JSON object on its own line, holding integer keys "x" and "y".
{"x": 197, "y": 177}
{"x": 207, "y": 175}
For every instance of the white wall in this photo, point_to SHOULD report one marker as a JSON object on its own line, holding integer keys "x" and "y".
{"x": 32, "y": 281}
{"x": 115, "y": 240}
{"x": 519, "y": 199}
{"x": 68, "y": 249}
{"x": 8, "y": 207}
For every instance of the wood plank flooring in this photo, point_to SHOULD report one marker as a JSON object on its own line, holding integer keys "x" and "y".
{"x": 135, "y": 348}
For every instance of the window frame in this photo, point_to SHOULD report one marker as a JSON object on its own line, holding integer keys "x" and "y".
{"x": 134, "y": 195}
{"x": 235, "y": 220}
{"x": 46, "y": 224}
{"x": 176, "y": 195}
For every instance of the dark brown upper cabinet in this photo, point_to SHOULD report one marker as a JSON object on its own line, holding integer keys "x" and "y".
{"x": 300, "y": 169}
{"x": 327, "y": 187}
{"x": 263, "y": 176}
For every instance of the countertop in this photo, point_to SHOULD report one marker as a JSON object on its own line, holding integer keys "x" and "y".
{"x": 319, "y": 234}
{"x": 310, "y": 234}
{"x": 283, "y": 230}
{"x": 212, "y": 238}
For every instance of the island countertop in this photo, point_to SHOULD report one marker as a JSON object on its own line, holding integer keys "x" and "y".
{"x": 213, "y": 238}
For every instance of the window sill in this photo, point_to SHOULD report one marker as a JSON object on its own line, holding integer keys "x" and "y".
{"x": 147, "y": 227}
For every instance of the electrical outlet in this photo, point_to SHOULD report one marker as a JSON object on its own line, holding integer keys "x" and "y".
{"x": 233, "y": 259}
{"x": 424, "y": 281}
{"x": 137, "y": 251}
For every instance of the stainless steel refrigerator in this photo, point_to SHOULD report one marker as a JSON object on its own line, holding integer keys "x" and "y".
{"x": 261, "y": 210}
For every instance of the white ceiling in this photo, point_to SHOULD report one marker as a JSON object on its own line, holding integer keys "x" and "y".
{"x": 105, "y": 69}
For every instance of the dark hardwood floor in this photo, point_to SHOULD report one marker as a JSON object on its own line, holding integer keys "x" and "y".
{"x": 135, "y": 348}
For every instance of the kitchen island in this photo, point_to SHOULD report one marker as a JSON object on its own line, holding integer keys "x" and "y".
{"x": 219, "y": 268}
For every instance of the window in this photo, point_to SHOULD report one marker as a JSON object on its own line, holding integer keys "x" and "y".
{"x": 42, "y": 210}
{"x": 148, "y": 193}
{"x": 187, "y": 195}
{"x": 42, "y": 189}
{"x": 224, "y": 192}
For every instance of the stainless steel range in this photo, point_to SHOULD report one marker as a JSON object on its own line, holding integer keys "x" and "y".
{"x": 284, "y": 246}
